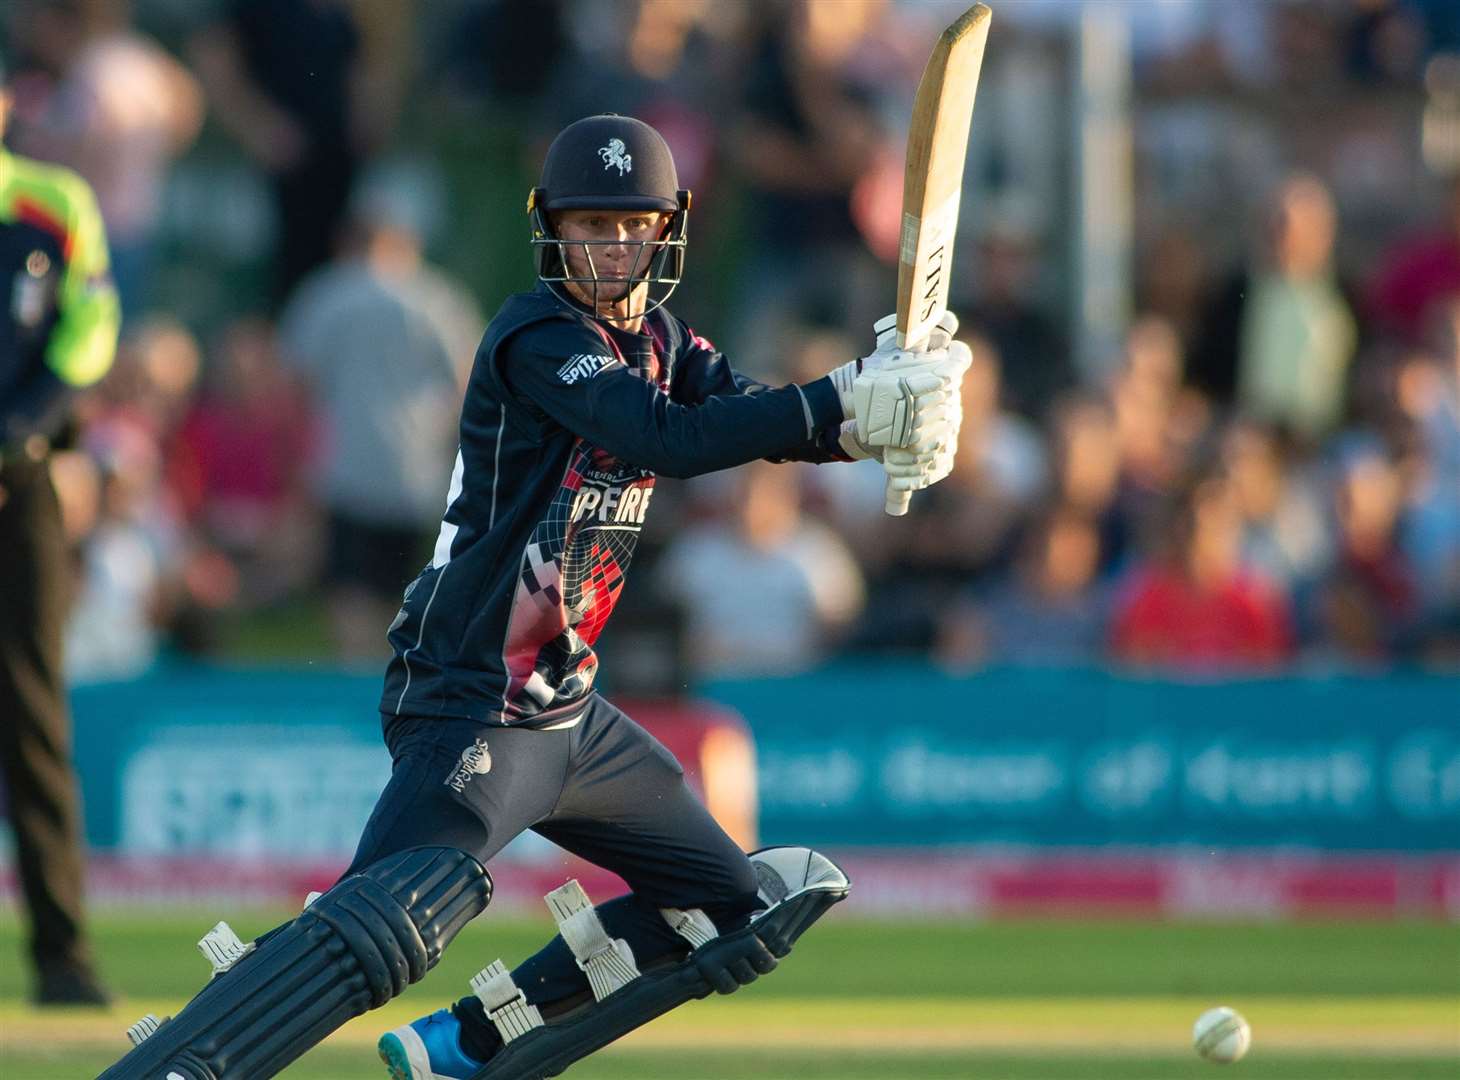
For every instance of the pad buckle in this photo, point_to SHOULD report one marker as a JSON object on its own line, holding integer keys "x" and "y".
{"x": 222, "y": 948}
{"x": 693, "y": 925}
{"x": 145, "y": 1028}
{"x": 608, "y": 962}
{"x": 504, "y": 1001}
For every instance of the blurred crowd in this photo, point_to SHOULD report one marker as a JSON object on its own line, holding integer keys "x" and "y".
{"x": 1266, "y": 475}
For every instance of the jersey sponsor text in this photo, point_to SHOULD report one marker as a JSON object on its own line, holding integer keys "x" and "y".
{"x": 583, "y": 366}
{"x": 615, "y": 505}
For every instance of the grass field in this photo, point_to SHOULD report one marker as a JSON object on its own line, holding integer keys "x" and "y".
{"x": 880, "y": 1001}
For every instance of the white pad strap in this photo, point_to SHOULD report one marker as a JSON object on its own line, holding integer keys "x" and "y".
{"x": 608, "y": 963}
{"x": 504, "y": 1001}
{"x": 145, "y": 1028}
{"x": 692, "y": 925}
{"x": 222, "y": 948}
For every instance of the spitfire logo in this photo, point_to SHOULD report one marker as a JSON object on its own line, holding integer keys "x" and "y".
{"x": 616, "y": 153}
{"x": 475, "y": 760}
{"x": 615, "y": 505}
{"x": 583, "y": 366}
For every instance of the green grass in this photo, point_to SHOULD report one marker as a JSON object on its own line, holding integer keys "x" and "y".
{"x": 921, "y": 1001}
{"x": 154, "y": 955}
{"x": 332, "y": 1064}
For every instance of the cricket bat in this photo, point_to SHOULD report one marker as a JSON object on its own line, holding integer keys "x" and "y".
{"x": 937, "y": 142}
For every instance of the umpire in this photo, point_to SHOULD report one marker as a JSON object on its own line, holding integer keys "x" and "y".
{"x": 58, "y": 331}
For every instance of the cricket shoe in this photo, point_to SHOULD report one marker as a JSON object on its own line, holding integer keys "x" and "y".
{"x": 427, "y": 1049}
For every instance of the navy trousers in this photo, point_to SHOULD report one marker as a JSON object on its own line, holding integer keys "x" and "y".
{"x": 604, "y": 789}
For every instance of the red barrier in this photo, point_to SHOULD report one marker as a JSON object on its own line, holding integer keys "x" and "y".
{"x": 900, "y": 883}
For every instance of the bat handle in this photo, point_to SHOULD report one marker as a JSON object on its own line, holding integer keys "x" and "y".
{"x": 897, "y": 501}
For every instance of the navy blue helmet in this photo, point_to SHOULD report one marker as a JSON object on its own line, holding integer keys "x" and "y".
{"x": 610, "y": 162}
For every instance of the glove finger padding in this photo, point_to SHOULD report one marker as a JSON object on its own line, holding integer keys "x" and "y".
{"x": 901, "y": 462}
{"x": 910, "y": 471}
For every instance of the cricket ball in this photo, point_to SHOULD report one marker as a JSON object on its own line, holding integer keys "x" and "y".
{"x": 1221, "y": 1036}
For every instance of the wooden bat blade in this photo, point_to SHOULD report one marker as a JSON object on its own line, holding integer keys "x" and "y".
{"x": 937, "y": 144}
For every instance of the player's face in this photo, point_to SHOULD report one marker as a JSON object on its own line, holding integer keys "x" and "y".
{"x": 613, "y": 246}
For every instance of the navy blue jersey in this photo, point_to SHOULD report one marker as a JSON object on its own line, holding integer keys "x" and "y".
{"x": 565, "y": 425}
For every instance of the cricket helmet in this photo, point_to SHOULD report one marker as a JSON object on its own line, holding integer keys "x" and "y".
{"x": 618, "y": 163}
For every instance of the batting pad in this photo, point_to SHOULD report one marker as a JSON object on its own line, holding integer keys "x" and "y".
{"x": 797, "y": 885}
{"x": 353, "y": 949}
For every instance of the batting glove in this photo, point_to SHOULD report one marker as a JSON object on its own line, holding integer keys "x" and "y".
{"x": 906, "y": 469}
{"x": 931, "y": 460}
{"x": 887, "y": 354}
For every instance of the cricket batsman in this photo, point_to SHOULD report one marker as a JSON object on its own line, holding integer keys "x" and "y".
{"x": 583, "y": 391}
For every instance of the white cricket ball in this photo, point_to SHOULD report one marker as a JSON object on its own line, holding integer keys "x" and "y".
{"x": 1221, "y": 1035}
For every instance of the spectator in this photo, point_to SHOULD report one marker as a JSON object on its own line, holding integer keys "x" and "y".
{"x": 385, "y": 340}
{"x": 1051, "y": 611}
{"x": 1035, "y": 365}
{"x": 1086, "y": 449}
{"x": 1157, "y": 424}
{"x": 852, "y": 496}
{"x": 1433, "y": 399}
{"x": 481, "y": 54}
{"x": 152, "y": 384}
{"x": 1284, "y": 530}
{"x": 284, "y": 78}
{"x": 1171, "y": 276}
{"x": 1420, "y": 275}
{"x": 805, "y": 136}
{"x": 1194, "y": 606}
{"x": 962, "y": 530}
{"x": 767, "y": 590}
{"x": 113, "y": 630}
{"x": 1365, "y": 608}
{"x": 130, "y": 425}
{"x": 994, "y": 443}
{"x": 1428, "y": 397}
{"x": 117, "y": 108}
{"x": 1279, "y": 338}
{"x": 239, "y": 465}
{"x": 1386, "y": 43}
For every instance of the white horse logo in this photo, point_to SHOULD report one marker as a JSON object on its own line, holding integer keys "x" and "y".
{"x": 616, "y": 153}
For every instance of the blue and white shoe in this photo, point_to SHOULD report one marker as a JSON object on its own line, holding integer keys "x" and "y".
{"x": 427, "y": 1049}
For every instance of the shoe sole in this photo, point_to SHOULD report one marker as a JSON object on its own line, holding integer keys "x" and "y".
{"x": 397, "y": 1057}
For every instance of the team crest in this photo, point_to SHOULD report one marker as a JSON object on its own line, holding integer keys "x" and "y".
{"x": 617, "y": 154}
{"x": 475, "y": 760}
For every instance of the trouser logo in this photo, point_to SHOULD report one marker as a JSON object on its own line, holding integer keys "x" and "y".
{"x": 475, "y": 760}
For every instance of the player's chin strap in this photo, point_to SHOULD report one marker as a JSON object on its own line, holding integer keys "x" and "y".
{"x": 353, "y": 948}
{"x": 797, "y": 885}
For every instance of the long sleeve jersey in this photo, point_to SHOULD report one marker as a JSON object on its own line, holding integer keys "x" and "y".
{"x": 58, "y": 328}
{"x": 565, "y": 426}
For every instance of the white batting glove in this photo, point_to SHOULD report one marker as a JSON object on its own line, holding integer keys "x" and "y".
{"x": 903, "y": 403}
{"x": 887, "y": 354}
{"x": 906, "y": 408}
{"x": 908, "y": 468}
{"x": 914, "y": 468}
{"x": 911, "y": 470}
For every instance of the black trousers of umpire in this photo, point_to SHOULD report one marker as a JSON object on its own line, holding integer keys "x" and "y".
{"x": 35, "y": 726}
{"x": 603, "y": 789}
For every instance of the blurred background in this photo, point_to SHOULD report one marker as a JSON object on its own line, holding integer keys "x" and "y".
{"x": 1179, "y": 639}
